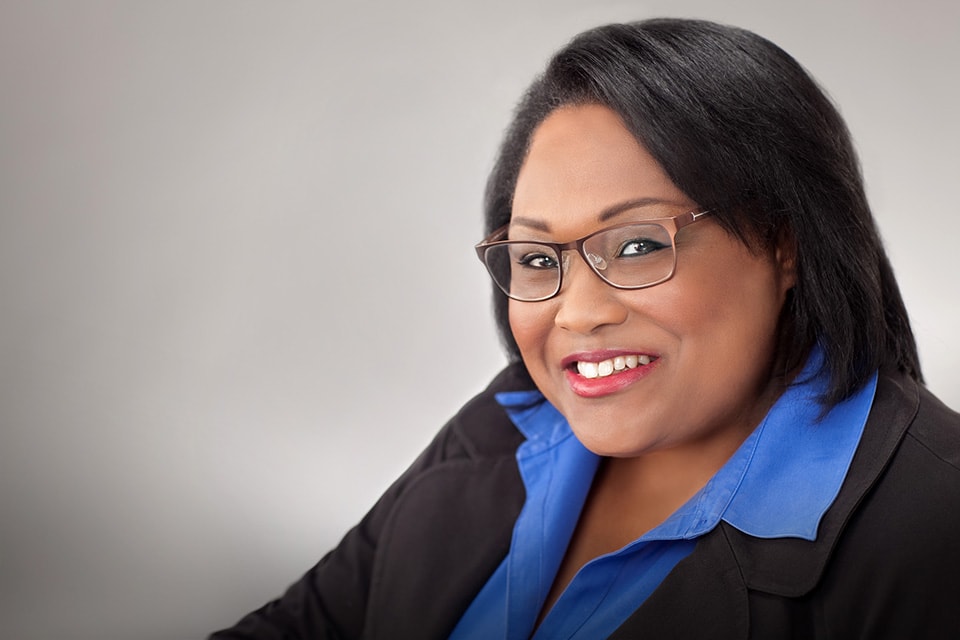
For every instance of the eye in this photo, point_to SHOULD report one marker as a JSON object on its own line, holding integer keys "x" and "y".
{"x": 639, "y": 247}
{"x": 538, "y": 261}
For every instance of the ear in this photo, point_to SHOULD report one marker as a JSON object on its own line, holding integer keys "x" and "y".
{"x": 785, "y": 256}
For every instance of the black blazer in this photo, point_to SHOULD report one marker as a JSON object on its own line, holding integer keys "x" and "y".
{"x": 885, "y": 564}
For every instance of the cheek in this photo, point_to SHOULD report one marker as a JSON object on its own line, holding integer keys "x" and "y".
{"x": 730, "y": 310}
{"x": 732, "y": 321}
{"x": 530, "y": 323}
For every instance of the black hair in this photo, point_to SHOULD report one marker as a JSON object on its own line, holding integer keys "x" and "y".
{"x": 738, "y": 124}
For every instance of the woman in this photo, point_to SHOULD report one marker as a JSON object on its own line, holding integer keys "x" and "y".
{"x": 714, "y": 425}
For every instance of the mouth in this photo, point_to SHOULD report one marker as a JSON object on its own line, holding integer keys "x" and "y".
{"x": 610, "y": 366}
{"x": 603, "y": 373}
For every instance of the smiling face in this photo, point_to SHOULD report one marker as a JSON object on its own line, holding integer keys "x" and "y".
{"x": 685, "y": 364}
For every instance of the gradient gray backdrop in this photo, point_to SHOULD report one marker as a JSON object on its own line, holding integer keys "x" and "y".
{"x": 237, "y": 286}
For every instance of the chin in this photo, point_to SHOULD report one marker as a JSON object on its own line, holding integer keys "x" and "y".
{"x": 613, "y": 445}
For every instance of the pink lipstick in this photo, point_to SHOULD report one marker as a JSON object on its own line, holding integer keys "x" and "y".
{"x": 599, "y": 373}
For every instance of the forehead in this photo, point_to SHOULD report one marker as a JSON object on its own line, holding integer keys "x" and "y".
{"x": 582, "y": 162}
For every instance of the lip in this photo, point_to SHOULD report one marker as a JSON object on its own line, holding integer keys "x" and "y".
{"x": 599, "y": 387}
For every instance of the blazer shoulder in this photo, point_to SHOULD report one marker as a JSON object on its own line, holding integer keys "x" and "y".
{"x": 434, "y": 537}
{"x": 482, "y": 428}
{"x": 914, "y": 497}
{"x": 937, "y": 429}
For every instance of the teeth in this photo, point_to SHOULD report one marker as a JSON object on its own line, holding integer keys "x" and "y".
{"x": 588, "y": 369}
{"x": 608, "y": 367}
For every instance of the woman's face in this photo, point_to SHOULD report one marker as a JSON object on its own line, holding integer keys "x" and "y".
{"x": 709, "y": 332}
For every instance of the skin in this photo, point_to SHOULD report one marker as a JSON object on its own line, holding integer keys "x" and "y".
{"x": 712, "y": 329}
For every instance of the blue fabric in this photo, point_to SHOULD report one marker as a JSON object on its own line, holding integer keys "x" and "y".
{"x": 779, "y": 483}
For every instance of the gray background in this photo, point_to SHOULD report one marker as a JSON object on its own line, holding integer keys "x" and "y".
{"x": 237, "y": 284}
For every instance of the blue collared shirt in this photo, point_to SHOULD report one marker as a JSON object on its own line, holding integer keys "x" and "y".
{"x": 778, "y": 484}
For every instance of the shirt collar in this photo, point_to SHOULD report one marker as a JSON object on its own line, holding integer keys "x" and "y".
{"x": 540, "y": 423}
{"x": 795, "y": 462}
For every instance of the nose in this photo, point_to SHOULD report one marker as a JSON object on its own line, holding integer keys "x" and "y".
{"x": 586, "y": 303}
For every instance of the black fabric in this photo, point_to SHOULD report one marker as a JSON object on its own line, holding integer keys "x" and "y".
{"x": 885, "y": 563}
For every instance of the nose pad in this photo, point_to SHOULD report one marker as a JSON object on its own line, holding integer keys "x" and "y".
{"x": 597, "y": 261}
{"x": 589, "y": 302}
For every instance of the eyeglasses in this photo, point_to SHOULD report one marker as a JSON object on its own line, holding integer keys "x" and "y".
{"x": 633, "y": 255}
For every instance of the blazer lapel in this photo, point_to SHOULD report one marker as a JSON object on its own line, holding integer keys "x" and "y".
{"x": 703, "y": 597}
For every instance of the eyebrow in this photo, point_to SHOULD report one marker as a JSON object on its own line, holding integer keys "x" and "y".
{"x": 607, "y": 214}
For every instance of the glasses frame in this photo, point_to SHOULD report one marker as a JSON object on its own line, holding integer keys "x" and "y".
{"x": 672, "y": 225}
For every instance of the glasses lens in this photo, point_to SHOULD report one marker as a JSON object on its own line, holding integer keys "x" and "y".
{"x": 632, "y": 256}
{"x": 524, "y": 270}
